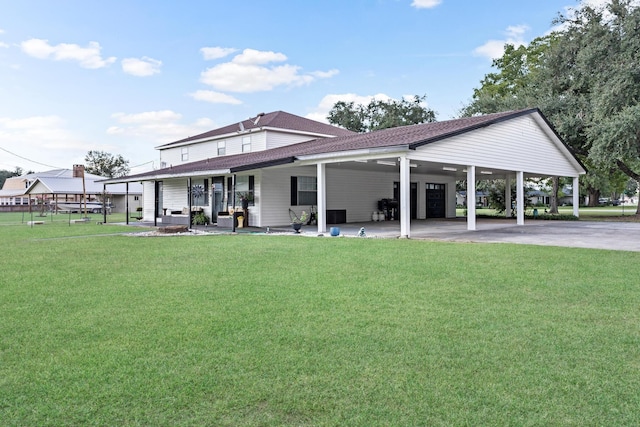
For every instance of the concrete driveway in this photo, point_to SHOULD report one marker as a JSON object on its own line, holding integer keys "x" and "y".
{"x": 623, "y": 236}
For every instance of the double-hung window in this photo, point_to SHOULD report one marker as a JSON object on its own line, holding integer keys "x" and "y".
{"x": 246, "y": 144}
{"x": 304, "y": 190}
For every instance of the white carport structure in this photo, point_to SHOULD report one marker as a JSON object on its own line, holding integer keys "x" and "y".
{"x": 510, "y": 146}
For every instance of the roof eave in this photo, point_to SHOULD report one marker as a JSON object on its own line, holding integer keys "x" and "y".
{"x": 354, "y": 153}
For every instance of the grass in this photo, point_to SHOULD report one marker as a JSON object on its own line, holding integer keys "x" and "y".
{"x": 601, "y": 213}
{"x": 281, "y": 330}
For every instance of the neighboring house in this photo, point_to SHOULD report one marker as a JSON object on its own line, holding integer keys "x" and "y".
{"x": 65, "y": 187}
{"x": 346, "y": 175}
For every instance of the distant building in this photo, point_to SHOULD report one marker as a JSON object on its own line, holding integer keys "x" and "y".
{"x": 64, "y": 186}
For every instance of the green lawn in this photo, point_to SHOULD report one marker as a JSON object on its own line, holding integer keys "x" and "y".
{"x": 98, "y": 328}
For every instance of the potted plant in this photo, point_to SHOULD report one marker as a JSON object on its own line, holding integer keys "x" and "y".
{"x": 245, "y": 199}
{"x": 297, "y": 221}
{"x": 200, "y": 218}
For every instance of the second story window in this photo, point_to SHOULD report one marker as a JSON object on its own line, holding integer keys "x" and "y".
{"x": 185, "y": 153}
{"x": 246, "y": 144}
{"x": 222, "y": 148}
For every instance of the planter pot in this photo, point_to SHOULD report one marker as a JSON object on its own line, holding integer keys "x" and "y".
{"x": 297, "y": 226}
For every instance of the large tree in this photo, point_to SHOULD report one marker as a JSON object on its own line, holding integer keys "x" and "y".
{"x": 106, "y": 164}
{"x": 379, "y": 114}
{"x": 586, "y": 79}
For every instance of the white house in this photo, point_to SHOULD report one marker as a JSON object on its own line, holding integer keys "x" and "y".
{"x": 282, "y": 161}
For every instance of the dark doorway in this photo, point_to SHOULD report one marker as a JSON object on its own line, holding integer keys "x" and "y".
{"x": 217, "y": 197}
{"x": 413, "y": 202}
{"x": 435, "y": 200}
{"x": 158, "y": 201}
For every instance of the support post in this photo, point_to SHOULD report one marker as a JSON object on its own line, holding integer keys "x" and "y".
{"x": 507, "y": 196}
{"x": 520, "y": 197}
{"x": 471, "y": 198}
{"x": 576, "y": 197}
{"x": 405, "y": 198}
{"x": 104, "y": 203}
{"x": 322, "y": 198}
{"x": 189, "y": 201}
{"x": 233, "y": 203}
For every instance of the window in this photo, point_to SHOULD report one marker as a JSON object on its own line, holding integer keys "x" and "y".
{"x": 222, "y": 148}
{"x": 185, "y": 153}
{"x": 245, "y": 186}
{"x": 304, "y": 190}
{"x": 246, "y": 144}
{"x": 200, "y": 193}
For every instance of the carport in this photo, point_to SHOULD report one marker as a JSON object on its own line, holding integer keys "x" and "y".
{"x": 512, "y": 146}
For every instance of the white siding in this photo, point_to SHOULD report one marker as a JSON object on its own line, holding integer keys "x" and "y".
{"x": 355, "y": 191}
{"x": 276, "y": 139}
{"x": 174, "y": 194}
{"x": 209, "y": 149}
{"x": 515, "y": 145}
{"x": 149, "y": 200}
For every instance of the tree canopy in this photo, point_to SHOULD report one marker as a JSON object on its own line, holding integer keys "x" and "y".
{"x": 586, "y": 79}
{"x": 106, "y": 164}
{"x": 380, "y": 114}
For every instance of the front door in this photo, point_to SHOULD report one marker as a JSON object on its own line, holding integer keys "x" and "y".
{"x": 435, "y": 200}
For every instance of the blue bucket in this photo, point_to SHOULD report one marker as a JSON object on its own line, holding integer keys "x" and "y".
{"x": 335, "y": 231}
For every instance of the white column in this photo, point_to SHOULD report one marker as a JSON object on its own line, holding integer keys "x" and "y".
{"x": 405, "y": 198}
{"x": 322, "y": 198}
{"x": 520, "y": 197}
{"x": 576, "y": 196}
{"x": 471, "y": 198}
{"x": 507, "y": 196}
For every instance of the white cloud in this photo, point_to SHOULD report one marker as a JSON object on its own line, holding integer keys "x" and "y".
{"x": 2, "y": 44}
{"x": 157, "y": 126}
{"x": 495, "y": 48}
{"x": 214, "y": 97}
{"x": 325, "y": 74}
{"x": 425, "y": 4}
{"x": 322, "y": 110}
{"x": 252, "y": 71}
{"x": 142, "y": 67}
{"x": 88, "y": 57}
{"x": 257, "y": 57}
{"x": 216, "y": 52}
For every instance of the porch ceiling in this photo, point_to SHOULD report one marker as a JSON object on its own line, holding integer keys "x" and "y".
{"x": 391, "y": 164}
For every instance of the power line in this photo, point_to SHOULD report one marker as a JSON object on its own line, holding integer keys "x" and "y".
{"x": 29, "y": 160}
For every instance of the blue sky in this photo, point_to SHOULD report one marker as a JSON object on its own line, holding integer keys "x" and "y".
{"x": 126, "y": 76}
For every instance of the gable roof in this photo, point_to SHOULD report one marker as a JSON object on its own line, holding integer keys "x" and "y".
{"x": 404, "y": 137}
{"x": 67, "y": 185}
{"x": 275, "y": 120}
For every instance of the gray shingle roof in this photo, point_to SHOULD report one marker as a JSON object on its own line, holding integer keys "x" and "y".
{"x": 410, "y": 137}
{"x": 277, "y": 120}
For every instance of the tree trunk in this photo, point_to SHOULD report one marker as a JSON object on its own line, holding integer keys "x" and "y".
{"x": 553, "y": 199}
{"x": 631, "y": 174}
{"x": 594, "y": 197}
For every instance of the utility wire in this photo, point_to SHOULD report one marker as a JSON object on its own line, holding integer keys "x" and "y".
{"x": 29, "y": 160}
